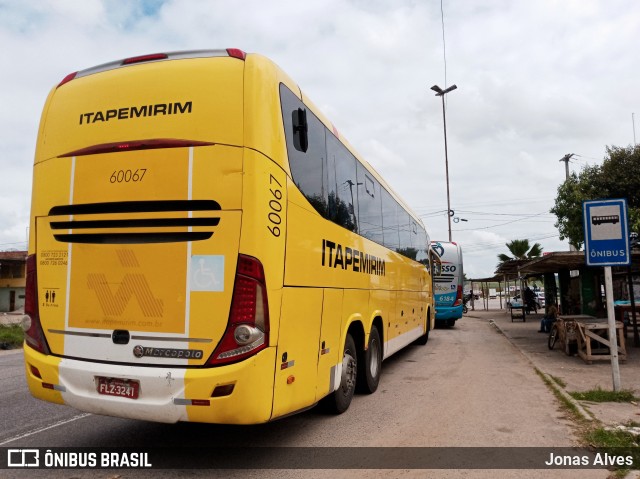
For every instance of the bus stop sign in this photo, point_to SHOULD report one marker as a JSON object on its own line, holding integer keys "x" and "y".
{"x": 606, "y": 232}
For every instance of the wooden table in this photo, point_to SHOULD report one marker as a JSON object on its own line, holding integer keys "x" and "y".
{"x": 517, "y": 311}
{"x": 621, "y": 310}
{"x": 595, "y": 332}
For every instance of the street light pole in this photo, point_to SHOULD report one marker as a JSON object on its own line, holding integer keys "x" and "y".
{"x": 441, "y": 93}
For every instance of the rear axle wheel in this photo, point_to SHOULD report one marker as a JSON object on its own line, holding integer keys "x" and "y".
{"x": 339, "y": 401}
{"x": 370, "y": 365}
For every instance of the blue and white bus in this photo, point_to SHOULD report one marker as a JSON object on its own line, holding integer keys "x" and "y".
{"x": 448, "y": 280}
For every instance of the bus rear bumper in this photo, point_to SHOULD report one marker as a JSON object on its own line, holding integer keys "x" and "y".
{"x": 166, "y": 394}
{"x": 447, "y": 313}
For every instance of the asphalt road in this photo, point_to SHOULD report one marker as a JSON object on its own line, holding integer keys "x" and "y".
{"x": 468, "y": 387}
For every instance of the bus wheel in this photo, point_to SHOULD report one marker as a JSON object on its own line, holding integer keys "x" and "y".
{"x": 339, "y": 401}
{"x": 422, "y": 340}
{"x": 370, "y": 365}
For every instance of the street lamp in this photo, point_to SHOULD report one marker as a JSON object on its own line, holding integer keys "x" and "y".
{"x": 441, "y": 93}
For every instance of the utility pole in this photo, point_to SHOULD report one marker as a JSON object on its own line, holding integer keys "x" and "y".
{"x": 566, "y": 159}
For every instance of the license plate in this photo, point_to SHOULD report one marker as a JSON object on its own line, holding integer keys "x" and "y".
{"x": 126, "y": 388}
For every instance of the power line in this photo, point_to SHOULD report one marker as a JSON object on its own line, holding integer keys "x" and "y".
{"x": 512, "y": 201}
{"x": 588, "y": 157}
{"x": 437, "y": 212}
{"x": 17, "y": 242}
{"x": 500, "y": 214}
{"x": 479, "y": 247}
{"x": 475, "y": 202}
{"x": 498, "y": 247}
{"x": 501, "y": 224}
{"x": 531, "y": 238}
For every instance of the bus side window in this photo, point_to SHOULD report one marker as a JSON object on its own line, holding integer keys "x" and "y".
{"x": 343, "y": 192}
{"x": 422, "y": 247}
{"x": 404, "y": 233}
{"x": 390, "y": 221}
{"x": 305, "y": 135}
{"x": 369, "y": 206}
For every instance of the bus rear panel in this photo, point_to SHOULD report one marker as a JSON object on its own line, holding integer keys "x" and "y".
{"x": 448, "y": 282}
{"x": 145, "y": 300}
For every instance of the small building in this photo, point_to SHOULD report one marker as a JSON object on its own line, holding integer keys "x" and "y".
{"x": 12, "y": 280}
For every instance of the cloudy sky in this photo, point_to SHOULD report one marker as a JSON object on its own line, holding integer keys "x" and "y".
{"x": 536, "y": 80}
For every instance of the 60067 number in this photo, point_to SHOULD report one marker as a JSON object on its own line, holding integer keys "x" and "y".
{"x": 275, "y": 206}
{"x": 127, "y": 176}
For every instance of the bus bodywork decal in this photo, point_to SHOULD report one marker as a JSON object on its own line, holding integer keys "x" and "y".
{"x": 351, "y": 258}
{"x": 136, "y": 112}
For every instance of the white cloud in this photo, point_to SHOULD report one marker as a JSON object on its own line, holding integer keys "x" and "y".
{"x": 536, "y": 80}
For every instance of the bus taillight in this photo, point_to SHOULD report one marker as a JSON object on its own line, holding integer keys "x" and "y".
{"x": 149, "y": 144}
{"x": 67, "y": 79}
{"x": 458, "y": 296}
{"x": 248, "y": 327}
{"x": 236, "y": 53}
{"x": 145, "y": 58}
{"x": 34, "y": 336}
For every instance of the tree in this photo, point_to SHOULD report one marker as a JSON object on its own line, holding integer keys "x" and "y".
{"x": 617, "y": 177}
{"x": 520, "y": 249}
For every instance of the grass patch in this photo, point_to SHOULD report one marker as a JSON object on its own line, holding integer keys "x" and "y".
{"x": 603, "y": 438}
{"x": 601, "y": 395}
{"x": 591, "y": 434}
{"x": 559, "y": 381}
{"x": 565, "y": 403}
{"x": 619, "y": 473}
{"x": 11, "y": 336}
{"x": 616, "y": 442}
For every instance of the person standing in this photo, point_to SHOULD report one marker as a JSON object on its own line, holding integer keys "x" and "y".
{"x": 530, "y": 300}
{"x": 549, "y": 318}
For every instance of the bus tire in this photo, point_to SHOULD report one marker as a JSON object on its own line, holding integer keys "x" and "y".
{"x": 339, "y": 401}
{"x": 370, "y": 364}
{"x": 422, "y": 340}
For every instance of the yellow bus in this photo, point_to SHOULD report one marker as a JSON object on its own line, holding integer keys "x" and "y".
{"x": 205, "y": 246}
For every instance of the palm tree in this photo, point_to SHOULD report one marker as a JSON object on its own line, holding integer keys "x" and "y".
{"x": 520, "y": 250}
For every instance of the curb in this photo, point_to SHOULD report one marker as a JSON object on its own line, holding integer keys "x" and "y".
{"x": 582, "y": 411}
{"x": 10, "y": 319}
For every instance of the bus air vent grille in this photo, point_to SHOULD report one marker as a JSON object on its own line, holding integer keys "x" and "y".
{"x": 119, "y": 228}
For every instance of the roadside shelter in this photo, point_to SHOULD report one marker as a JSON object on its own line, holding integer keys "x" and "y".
{"x": 580, "y": 288}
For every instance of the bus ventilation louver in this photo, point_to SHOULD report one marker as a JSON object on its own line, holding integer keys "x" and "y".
{"x": 118, "y": 229}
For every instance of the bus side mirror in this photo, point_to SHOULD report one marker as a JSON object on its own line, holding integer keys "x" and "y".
{"x": 300, "y": 130}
